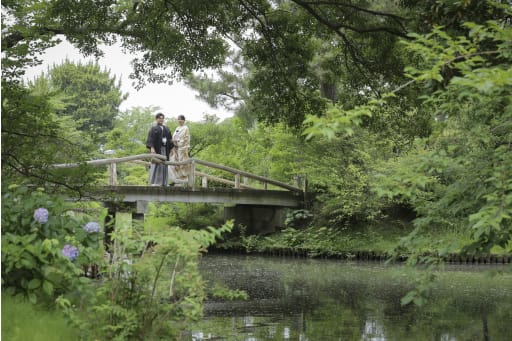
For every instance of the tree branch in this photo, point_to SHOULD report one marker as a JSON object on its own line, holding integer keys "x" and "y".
{"x": 307, "y": 5}
{"x": 27, "y": 173}
{"x": 351, "y": 48}
{"x": 37, "y": 135}
{"x": 360, "y": 9}
{"x": 456, "y": 59}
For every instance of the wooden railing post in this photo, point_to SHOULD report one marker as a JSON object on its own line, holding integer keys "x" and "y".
{"x": 204, "y": 182}
{"x": 112, "y": 174}
{"x": 237, "y": 181}
{"x": 192, "y": 175}
{"x": 299, "y": 181}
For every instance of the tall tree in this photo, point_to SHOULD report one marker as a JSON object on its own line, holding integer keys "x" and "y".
{"x": 92, "y": 96}
{"x": 34, "y": 138}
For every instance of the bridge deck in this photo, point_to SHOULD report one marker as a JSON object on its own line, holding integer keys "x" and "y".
{"x": 229, "y": 196}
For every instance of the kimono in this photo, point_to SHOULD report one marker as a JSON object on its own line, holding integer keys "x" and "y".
{"x": 159, "y": 137}
{"x": 181, "y": 138}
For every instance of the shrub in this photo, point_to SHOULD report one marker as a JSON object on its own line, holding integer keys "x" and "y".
{"x": 298, "y": 218}
{"x": 152, "y": 287}
{"x": 43, "y": 246}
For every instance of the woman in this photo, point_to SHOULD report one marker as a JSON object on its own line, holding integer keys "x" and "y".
{"x": 181, "y": 141}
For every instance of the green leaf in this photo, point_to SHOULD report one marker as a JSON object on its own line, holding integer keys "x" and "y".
{"x": 408, "y": 298}
{"x": 32, "y": 297}
{"x": 34, "y": 284}
{"x": 48, "y": 288}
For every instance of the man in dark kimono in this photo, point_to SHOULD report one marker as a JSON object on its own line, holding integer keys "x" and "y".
{"x": 159, "y": 142}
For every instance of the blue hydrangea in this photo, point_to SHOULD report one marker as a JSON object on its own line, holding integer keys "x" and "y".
{"x": 70, "y": 251}
{"x": 41, "y": 215}
{"x": 92, "y": 227}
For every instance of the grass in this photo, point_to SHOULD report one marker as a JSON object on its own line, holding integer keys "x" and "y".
{"x": 23, "y": 321}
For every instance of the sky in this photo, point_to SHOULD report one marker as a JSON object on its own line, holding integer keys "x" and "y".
{"x": 171, "y": 99}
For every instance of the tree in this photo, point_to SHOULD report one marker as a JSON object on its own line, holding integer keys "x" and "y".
{"x": 91, "y": 96}
{"x": 57, "y": 118}
{"x": 34, "y": 138}
{"x": 179, "y": 38}
{"x": 459, "y": 176}
{"x": 130, "y": 130}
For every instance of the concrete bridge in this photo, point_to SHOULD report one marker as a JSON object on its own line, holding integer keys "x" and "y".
{"x": 248, "y": 199}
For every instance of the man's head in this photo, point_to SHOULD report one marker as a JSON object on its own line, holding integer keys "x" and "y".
{"x": 181, "y": 120}
{"x": 159, "y": 118}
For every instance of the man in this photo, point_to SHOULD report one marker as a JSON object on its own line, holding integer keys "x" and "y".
{"x": 159, "y": 142}
{"x": 181, "y": 141}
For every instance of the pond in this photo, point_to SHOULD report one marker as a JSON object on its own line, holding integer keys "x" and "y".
{"x": 322, "y": 300}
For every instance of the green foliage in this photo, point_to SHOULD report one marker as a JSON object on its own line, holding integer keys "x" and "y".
{"x": 298, "y": 218}
{"x": 153, "y": 287}
{"x": 91, "y": 96}
{"x": 219, "y": 291}
{"x": 190, "y": 216}
{"x": 290, "y": 54}
{"x": 452, "y": 14}
{"x": 131, "y": 130}
{"x": 459, "y": 177}
{"x": 33, "y": 263}
{"x": 466, "y": 168}
{"x": 34, "y": 138}
{"x": 320, "y": 241}
{"x": 336, "y": 121}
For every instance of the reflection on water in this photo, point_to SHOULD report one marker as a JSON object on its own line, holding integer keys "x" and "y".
{"x": 373, "y": 330}
{"x": 314, "y": 300}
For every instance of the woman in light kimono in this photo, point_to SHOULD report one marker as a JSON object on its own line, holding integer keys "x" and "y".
{"x": 181, "y": 141}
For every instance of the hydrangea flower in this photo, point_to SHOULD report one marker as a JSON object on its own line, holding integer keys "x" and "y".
{"x": 92, "y": 227}
{"x": 41, "y": 215}
{"x": 70, "y": 251}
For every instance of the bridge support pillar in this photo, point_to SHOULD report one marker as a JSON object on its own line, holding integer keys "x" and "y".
{"x": 137, "y": 211}
{"x": 257, "y": 219}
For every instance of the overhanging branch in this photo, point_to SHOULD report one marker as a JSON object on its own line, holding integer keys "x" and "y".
{"x": 309, "y": 7}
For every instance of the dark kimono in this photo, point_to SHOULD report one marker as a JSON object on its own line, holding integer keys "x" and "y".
{"x": 158, "y": 172}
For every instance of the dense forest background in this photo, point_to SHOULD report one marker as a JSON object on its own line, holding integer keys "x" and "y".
{"x": 388, "y": 108}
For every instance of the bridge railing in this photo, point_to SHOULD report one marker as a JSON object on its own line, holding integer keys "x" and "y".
{"x": 239, "y": 180}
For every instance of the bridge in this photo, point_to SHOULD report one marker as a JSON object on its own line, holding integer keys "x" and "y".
{"x": 255, "y": 201}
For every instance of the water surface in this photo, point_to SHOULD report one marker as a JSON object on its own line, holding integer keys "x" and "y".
{"x": 317, "y": 300}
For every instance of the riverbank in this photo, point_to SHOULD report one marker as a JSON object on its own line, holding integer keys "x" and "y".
{"x": 376, "y": 243}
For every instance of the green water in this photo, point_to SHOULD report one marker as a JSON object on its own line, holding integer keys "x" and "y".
{"x": 304, "y": 299}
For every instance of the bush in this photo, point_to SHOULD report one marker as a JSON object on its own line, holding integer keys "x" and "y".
{"x": 44, "y": 246}
{"x": 152, "y": 286}
{"x": 298, "y": 218}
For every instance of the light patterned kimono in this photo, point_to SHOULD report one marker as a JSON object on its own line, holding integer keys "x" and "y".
{"x": 181, "y": 138}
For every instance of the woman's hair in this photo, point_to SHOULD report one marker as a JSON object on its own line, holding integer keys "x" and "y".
{"x": 181, "y": 117}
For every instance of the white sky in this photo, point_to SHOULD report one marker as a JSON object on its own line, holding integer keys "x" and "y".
{"x": 172, "y": 99}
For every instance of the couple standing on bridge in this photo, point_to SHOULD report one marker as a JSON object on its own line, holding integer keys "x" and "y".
{"x": 174, "y": 148}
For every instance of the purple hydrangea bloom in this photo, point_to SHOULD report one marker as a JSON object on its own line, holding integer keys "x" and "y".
{"x": 41, "y": 215}
{"x": 92, "y": 227}
{"x": 70, "y": 251}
